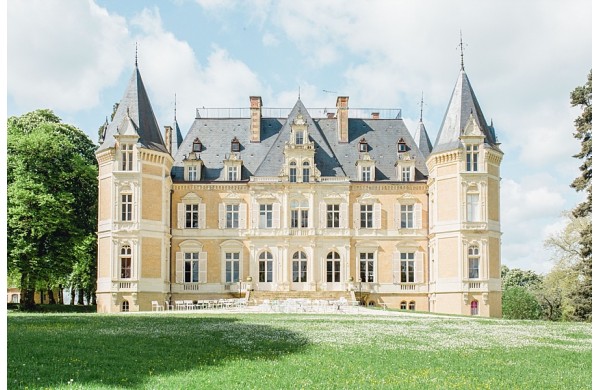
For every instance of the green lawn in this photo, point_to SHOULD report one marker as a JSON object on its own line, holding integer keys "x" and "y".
{"x": 281, "y": 351}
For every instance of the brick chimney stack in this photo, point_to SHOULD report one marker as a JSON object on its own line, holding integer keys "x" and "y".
{"x": 342, "y": 118}
{"x": 168, "y": 138}
{"x": 255, "y": 116}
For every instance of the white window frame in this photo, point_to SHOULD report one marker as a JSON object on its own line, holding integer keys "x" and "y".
{"x": 265, "y": 216}
{"x": 191, "y": 199}
{"x": 405, "y": 172}
{"x": 126, "y": 209}
{"x": 369, "y": 259}
{"x": 299, "y": 267}
{"x": 472, "y": 158}
{"x": 187, "y": 249}
{"x": 265, "y": 260}
{"x": 293, "y": 171}
{"x": 473, "y": 212}
{"x": 127, "y": 157}
{"x": 305, "y": 172}
{"x": 192, "y": 215}
{"x": 333, "y": 216}
{"x": 125, "y": 253}
{"x": 192, "y": 173}
{"x": 299, "y": 214}
{"x": 474, "y": 262}
{"x": 227, "y": 209}
{"x": 365, "y": 173}
{"x": 408, "y": 254}
{"x": 232, "y": 173}
{"x": 333, "y": 258}
{"x": 232, "y": 258}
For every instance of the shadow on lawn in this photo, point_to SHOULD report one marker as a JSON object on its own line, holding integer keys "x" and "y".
{"x": 48, "y": 351}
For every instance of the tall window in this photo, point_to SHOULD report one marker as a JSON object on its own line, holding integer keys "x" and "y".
{"x": 125, "y": 262}
{"x": 265, "y": 267}
{"x": 333, "y": 215}
{"x": 232, "y": 216}
{"x": 232, "y": 267}
{"x": 190, "y": 267}
{"x": 365, "y": 173}
{"x": 405, "y": 173}
{"x": 192, "y": 173}
{"x": 406, "y": 216}
{"x": 125, "y": 306}
{"x": 232, "y": 173}
{"x": 127, "y": 157}
{"x": 265, "y": 217}
{"x": 299, "y": 137}
{"x": 407, "y": 267}
{"x": 366, "y": 215}
{"x": 367, "y": 267}
{"x": 293, "y": 172}
{"x": 191, "y": 215}
{"x": 472, "y": 207}
{"x": 299, "y": 214}
{"x": 305, "y": 171}
{"x": 126, "y": 207}
{"x": 473, "y": 262}
{"x": 474, "y": 308}
{"x": 472, "y": 157}
{"x": 299, "y": 267}
{"x": 334, "y": 267}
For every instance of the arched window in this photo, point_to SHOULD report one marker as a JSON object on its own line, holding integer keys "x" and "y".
{"x": 474, "y": 308}
{"x": 125, "y": 306}
{"x": 293, "y": 172}
{"x": 265, "y": 267}
{"x": 473, "y": 262}
{"x": 403, "y": 305}
{"x": 299, "y": 267}
{"x": 305, "y": 171}
{"x": 334, "y": 267}
{"x": 412, "y": 305}
{"x": 125, "y": 260}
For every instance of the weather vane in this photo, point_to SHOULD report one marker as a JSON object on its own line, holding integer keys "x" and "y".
{"x": 462, "y": 46}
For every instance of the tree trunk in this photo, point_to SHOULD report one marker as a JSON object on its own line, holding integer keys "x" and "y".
{"x": 51, "y": 300}
{"x": 27, "y": 292}
{"x": 72, "y": 296}
{"x": 88, "y": 296}
{"x": 80, "y": 297}
{"x": 94, "y": 298}
{"x": 61, "y": 300}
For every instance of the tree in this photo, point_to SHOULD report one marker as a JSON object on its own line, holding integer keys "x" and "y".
{"x": 519, "y": 303}
{"x": 516, "y": 277}
{"x": 51, "y": 198}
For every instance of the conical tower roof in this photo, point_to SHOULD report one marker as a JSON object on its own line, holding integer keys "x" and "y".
{"x": 135, "y": 105}
{"x": 462, "y": 104}
{"x": 422, "y": 140}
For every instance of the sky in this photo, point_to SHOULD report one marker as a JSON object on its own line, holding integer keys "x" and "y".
{"x": 523, "y": 59}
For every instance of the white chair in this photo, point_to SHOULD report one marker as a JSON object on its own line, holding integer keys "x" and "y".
{"x": 156, "y": 306}
{"x": 168, "y": 305}
{"x": 179, "y": 305}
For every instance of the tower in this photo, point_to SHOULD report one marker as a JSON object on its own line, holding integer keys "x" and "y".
{"x": 134, "y": 180}
{"x": 464, "y": 193}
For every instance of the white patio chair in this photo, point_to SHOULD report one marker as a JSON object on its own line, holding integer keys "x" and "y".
{"x": 156, "y": 306}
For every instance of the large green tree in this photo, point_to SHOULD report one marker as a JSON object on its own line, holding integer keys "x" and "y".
{"x": 51, "y": 198}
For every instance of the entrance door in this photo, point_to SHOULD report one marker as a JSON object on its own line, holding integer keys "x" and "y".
{"x": 299, "y": 271}
{"x": 333, "y": 271}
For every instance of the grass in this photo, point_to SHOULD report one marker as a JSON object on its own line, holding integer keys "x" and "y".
{"x": 278, "y": 351}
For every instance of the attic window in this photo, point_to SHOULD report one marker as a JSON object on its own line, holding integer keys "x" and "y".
{"x": 235, "y": 145}
{"x": 402, "y": 146}
{"x": 197, "y": 145}
{"x": 362, "y": 145}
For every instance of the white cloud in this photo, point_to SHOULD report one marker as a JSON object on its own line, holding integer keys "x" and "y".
{"x": 269, "y": 39}
{"x": 62, "y": 54}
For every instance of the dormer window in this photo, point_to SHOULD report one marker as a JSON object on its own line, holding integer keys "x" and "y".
{"x": 299, "y": 137}
{"x": 197, "y": 145}
{"x": 235, "y": 145}
{"x": 402, "y": 147}
{"x": 472, "y": 157}
{"x": 127, "y": 157}
{"x": 363, "y": 146}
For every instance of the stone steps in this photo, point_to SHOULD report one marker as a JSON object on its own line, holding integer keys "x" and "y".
{"x": 257, "y": 297}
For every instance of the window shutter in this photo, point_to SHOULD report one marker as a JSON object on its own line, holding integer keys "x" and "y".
{"x": 179, "y": 267}
{"x": 180, "y": 215}
{"x": 397, "y": 216}
{"x": 221, "y": 216}
{"x": 276, "y": 215}
{"x": 418, "y": 211}
{"x": 377, "y": 215}
{"x": 202, "y": 267}
{"x": 396, "y": 267}
{"x": 419, "y": 267}
{"x": 243, "y": 215}
{"x": 322, "y": 215}
{"x": 202, "y": 216}
{"x": 344, "y": 215}
{"x": 356, "y": 215}
{"x": 254, "y": 223}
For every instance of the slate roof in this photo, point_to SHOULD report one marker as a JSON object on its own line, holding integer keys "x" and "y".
{"x": 462, "y": 103}
{"x": 135, "y": 104}
{"x": 422, "y": 140}
{"x": 331, "y": 157}
{"x": 177, "y": 137}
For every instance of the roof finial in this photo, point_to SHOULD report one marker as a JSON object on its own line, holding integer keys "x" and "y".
{"x": 136, "y": 55}
{"x": 298, "y": 92}
{"x": 421, "y": 118}
{"x": 175, "y": 108}
{"x": 462, "y": 62}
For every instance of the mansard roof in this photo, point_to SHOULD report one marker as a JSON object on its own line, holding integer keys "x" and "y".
{"x": 462, "y": 104}
{"x": 266, "y": 158}
{"x": 135, "y": 105}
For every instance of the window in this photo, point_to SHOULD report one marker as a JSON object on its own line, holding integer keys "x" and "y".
{"x": 299, "y": 137}
{"x": 127, "y": 158}
{"x": 407, "y": 267}
{"x": 232, "y": 267}
{"x": 472, "y": 157}
{"x": 232, "y": 173}
{"x": 362, "y": 145}
{"x": 405, "y": 172}
{"x": 333, "y": 215}
{"x": 412, "y": 305}
{"x": 126, "y": 207}
{"x": 406, "y": 216}
{"x": 197, "y": 145}
{"x": 367, "y": 267}
{"x": 235, "y": 145}
{"x": 365, "y": 173}
{"x": 125, "y": 262}
{"x": 305, "y": 171}
{"x": 402, "y": 146}
{"x": 232, "y": 215}
{"x": 125, "y": 306}
{"x": 293, "y": 172}
{"x": 366, "y": 215}
{"x": 474, "y": 308}
{"x": 299, "y": 267}
{"x": 191, "y": 267}
{"x": 473, "y": 262}
{"x": 333, "y": 267}
{"x": 265, "y": 217}
{"x": 265, "y": 267}
{"x": 403, "y": 305}
{"x": 472, "y": 207}
{"x": 299, "y": 216}
{"x": 192, "y": 173}
{"x": 191, "y": 216}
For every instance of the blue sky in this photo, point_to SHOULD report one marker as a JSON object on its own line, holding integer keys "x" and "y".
{"x": 523, "y": 59}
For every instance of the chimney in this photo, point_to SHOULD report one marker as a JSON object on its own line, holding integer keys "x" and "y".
{"x": 255, "y": 116}
{"x": 168, "y": 138}
{"x": 342, "y": 118}
{"x": 374, "y": 115}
